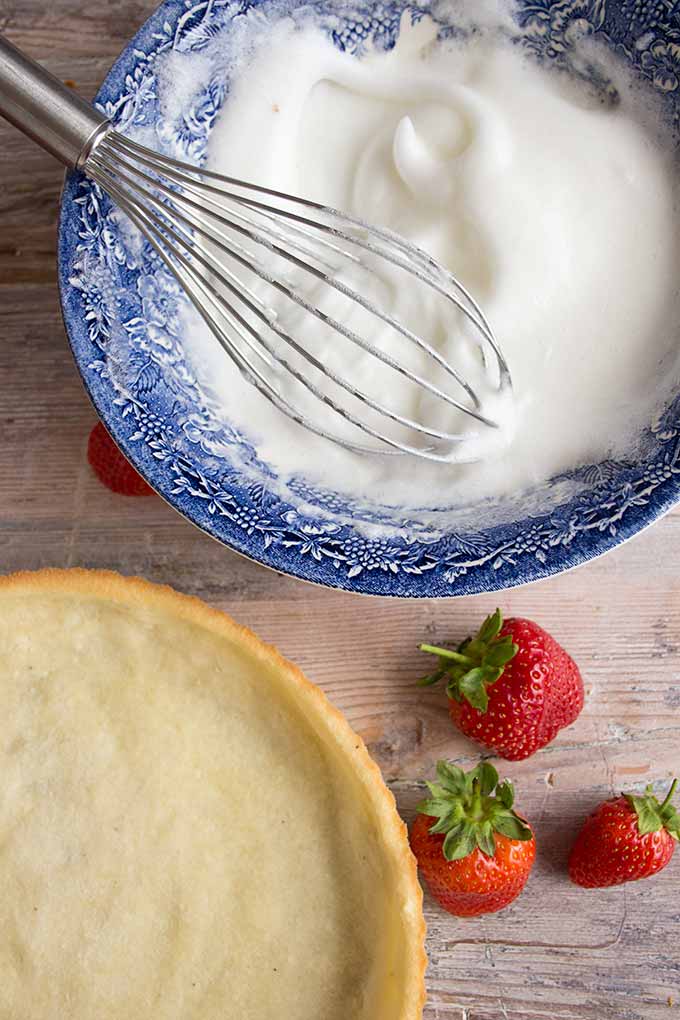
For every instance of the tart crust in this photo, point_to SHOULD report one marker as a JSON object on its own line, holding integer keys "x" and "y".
{"x": 390, "y": 989}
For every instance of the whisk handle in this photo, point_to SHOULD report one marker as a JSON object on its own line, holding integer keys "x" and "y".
{"x": 45, "y": 109}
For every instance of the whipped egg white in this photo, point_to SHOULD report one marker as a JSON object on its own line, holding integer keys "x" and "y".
{"x": 558, "y": 211}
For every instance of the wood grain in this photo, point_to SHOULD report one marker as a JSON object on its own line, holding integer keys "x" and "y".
{"x": 558, "y": 953}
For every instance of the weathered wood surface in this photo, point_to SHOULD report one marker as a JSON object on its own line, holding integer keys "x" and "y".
{"x": 558, "y": 953}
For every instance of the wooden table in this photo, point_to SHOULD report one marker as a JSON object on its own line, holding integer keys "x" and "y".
{"x": 559, "y": 953}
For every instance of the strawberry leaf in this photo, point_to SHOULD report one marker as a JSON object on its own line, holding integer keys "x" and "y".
{"x": 491, "y": 627}
{"x": 453, "y": 691}
{"x": 436, "y": 790}
{"x": 512, "y": 826}
{"x": 473, "y": 687}
{"x": 436, "y": 808}
{"x": 451, "y": 777}
{"x": 672, "y": 824}
{"x": 487, "y": 777}
{"x": 447, "y": 821}
{"x": 648, "y": 818}
{"x": 506, "y": 794}
{"x": 432, "y": 678}
{"x": 459, "y": 843}
{"x": 501, "y": 653}
{"x": 486, "y": 840}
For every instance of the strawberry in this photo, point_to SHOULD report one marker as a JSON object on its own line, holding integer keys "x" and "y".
{"x": 625, "y": 839}
{"x": 111, "y": 467}
{"x": 473, "y": 850}
{"x": 511, "y": 688}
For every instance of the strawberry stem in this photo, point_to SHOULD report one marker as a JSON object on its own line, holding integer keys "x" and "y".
{"x": 669, "y": 795}
{"x": 447, "y": 653}
{"x": 476, "y": 802}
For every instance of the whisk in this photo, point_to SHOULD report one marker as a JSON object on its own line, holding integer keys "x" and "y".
{"x": 238, "y": 250}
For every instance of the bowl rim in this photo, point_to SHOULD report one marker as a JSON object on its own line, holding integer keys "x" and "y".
{"x": 376, "y": 579}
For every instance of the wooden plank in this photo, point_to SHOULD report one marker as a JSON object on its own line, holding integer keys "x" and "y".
{"x": 558, "y": 953}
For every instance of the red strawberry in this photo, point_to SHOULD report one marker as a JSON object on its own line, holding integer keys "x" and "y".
{"x": 111, "y": 467}
{"x": 473, "y": 851}
{"x": 511, "y": 688}
{"x": 625, "y": 839}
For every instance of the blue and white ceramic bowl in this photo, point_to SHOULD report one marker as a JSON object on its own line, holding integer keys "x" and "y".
{"x": 121, "y": 309}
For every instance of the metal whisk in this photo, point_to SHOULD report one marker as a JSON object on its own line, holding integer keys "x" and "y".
{"x": 247, "y": 256}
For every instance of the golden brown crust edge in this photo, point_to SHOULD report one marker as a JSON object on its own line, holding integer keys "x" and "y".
{"x": 107, "y": 584}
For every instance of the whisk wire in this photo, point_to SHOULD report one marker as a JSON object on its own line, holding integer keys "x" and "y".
{"x": 332, "y": 282}
{"x": 197, "y": 284}
{"x": 235, "y": 287}
{"x": 188, "y": 214}
{"x": 235, "y": 251}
